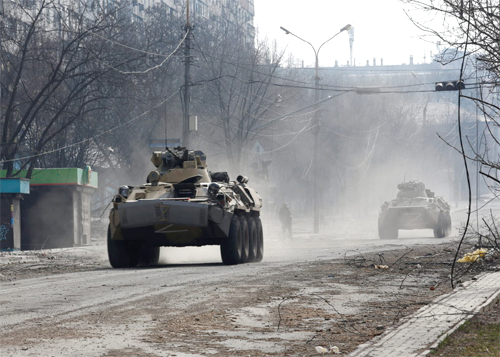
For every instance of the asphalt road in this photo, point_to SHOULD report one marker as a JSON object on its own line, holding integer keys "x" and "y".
{"x": 154, "y": 311}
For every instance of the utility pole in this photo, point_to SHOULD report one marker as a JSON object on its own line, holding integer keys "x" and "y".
{"x": 315, "y": 131}
{"x": 316, "y": 123}
{"x": 187, "y": 80}
{"x": 351, "y": 41}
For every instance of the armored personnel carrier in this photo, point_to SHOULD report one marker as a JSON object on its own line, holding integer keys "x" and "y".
{"x": 183, "y": 204}
{"x": 414, "y": 208}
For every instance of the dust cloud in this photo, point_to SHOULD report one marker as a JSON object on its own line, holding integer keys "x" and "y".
{"x": 365, "y": 146}
{"x": 190, "y": 255}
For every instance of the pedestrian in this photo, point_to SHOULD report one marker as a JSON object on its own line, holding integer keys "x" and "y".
{"x": 286, "y": 220}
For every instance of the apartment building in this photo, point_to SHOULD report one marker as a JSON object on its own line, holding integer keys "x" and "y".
{"x": 238, "y": 11}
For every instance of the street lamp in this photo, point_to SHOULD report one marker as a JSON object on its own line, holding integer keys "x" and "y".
{"x": 315, "y": 125}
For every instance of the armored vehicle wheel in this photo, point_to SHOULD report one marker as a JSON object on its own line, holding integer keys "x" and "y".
{"x": 448, "y": 224}
{"x": 230, "y": 249}
{"x": 122, "y": 254}
{"x": 441, "y": 226}
{"x": 245, "y": 240}
{"x": 253, "y": 239}
{"x": 387, "y": 230}
{"x": 149, "y": 255}
{"x": 260, "y": 240}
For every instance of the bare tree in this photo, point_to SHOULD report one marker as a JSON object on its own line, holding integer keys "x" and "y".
{"x": 65, "y": 67}
{"x": 236, "y": 93}
{"x": 470, "y": 29}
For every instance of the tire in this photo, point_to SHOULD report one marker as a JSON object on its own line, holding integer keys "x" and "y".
{"x": 441, "y": 226}
{"x": 448, "y": 224}
{"x": 245, "y": 240}
{"x": 253, "y": 239}
{"x": 149, "y": 255}
{"x": 260, "y": 240}
{"x": 230, "y": 249}
{"x": 387, "y": 230}
{"x": 122, "y": 254}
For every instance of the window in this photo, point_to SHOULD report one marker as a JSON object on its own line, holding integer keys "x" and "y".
{"x": 28, "y": 3}
{"x": 201, "y": 9}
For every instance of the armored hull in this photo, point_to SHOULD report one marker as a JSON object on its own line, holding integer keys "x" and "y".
{"x": 182, "y": 204}
{"x": 414, "y": 208}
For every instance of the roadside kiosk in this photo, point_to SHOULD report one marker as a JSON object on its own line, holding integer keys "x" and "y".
{"x": 56, "y": 213}
{"x": 11, "y": 194}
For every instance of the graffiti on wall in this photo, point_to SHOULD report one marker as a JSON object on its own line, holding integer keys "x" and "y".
{"x": 4, "y": 230}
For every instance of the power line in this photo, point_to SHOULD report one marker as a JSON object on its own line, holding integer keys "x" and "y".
{"x": 325, "y": 87}
{"x": 129, "y": 47}
{"x": 167, "y": 57}
{"x": 373, "y": 90}
{"x": 93, "y": 137}
{"x": 307, "y": 127}
{"x": 147, "y": 70}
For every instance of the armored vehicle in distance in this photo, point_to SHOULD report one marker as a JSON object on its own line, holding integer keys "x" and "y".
{"x": 183, "y": 204}
{"x": 414, "y": 208}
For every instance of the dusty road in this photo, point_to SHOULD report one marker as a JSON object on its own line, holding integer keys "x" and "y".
{"x": 311, "y": 291}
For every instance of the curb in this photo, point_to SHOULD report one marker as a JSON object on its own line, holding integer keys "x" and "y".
{"x": 430, "y": 325}
{"x": 487, "y": 306}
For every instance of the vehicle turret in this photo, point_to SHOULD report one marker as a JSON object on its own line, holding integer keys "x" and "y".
{"x": 181, "y": 165}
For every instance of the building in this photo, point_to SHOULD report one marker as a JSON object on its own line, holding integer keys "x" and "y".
{"x": 239, "y": 12}
{"x": 51, "y": 210}
{"x": 12, "y": 191}
{"x": 63, "y": 13}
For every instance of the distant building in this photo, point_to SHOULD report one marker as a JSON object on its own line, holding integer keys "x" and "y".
{"x": 240, "y": 12}
{"x": 63, "y": 12}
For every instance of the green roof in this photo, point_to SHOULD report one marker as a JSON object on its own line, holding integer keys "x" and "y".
{"x": 64, "y": 176}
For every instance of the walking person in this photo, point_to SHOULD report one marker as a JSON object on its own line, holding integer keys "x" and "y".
{"x": 286, "y": 220}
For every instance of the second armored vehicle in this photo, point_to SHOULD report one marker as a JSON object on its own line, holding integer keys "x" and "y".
{"x": 414, "y": 208}
{"x": 183, "y": 204}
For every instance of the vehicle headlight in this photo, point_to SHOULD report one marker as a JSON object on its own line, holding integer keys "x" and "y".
{"x": 124, "y": 191}
{"x": 213, "y": 189}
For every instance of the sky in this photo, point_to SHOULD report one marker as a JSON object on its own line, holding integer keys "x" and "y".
{"x": 382, "y": 30}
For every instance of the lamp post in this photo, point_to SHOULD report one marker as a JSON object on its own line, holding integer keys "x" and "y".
{"x": 315, "y": 127}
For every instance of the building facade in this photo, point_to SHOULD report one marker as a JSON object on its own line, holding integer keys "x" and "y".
{"x": 237, "y": 11}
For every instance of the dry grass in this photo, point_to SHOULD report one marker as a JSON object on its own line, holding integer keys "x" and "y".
{"x": 478, "y": 337}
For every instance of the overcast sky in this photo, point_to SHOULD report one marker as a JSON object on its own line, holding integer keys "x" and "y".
{"x": 381, "y": 30}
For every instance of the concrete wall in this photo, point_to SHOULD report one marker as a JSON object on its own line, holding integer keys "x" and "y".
{"x": 56, "y": 217}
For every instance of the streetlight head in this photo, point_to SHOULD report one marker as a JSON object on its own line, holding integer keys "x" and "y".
{"x": 284, "y": 29}
{"x": 346, "y": 27}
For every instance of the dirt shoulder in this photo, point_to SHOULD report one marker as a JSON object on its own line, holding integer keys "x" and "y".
{"x": 39, "y": 263}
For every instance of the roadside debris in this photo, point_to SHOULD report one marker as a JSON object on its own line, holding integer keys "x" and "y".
{"x": 320, "y": 349}
{"x": 472, "y": 257}
{"x": 323, "y": 350}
